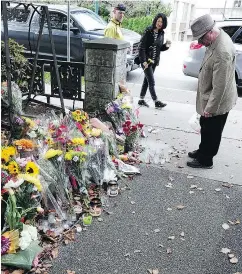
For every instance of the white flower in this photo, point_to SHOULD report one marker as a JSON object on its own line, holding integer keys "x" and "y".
{"x": 75, "y": 159}
{"x": 32, "y": 134}
{"x": 28, "y": 235}
{"x": 13, "y": 184}
{"x": 59, "y": 159}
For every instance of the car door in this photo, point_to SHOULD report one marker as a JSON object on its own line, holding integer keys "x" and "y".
{"x": 238, "y": 46}
{"x": 18, "y": 28}
{"x": 57, "y": 19}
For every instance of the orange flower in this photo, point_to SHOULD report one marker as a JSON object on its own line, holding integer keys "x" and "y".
{"x": 25, "y": 144}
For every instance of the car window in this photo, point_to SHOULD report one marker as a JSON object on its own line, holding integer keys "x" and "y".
{"x": 230, "y": 30}
{"x": 238, "y": 39}
{"x": 17, "y": 15}
{"x": 88, "y": 20}
{"x": 56, "y": 20}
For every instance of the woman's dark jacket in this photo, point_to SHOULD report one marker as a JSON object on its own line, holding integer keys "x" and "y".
{"x": 147, "y": 44}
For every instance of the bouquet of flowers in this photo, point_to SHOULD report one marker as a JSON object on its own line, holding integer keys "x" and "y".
{"x": 76, "y": 164}
{"x": 56, "y": 164}
{"x": 132, "y": 133}
{"x": 21, "y": 188}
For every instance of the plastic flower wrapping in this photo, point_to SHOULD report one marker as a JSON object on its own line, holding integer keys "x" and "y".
{"x": 55, "y": 164}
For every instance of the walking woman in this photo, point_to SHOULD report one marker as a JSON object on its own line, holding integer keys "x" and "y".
{"x": 151, "y": 44}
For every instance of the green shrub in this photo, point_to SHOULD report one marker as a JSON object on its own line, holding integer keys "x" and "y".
{"x": 138, "y": 24}
{"x": 18, "y": 63}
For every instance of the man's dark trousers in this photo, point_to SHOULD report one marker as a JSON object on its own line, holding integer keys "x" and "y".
{"x": 211, "y": 134}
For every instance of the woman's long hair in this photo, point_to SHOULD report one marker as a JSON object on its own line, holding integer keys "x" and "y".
{"x": 164, "y": 19}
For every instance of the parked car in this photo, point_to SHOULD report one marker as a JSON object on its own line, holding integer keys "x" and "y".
{"x": 23, "y": 27}
{"x": 192, "y": 62}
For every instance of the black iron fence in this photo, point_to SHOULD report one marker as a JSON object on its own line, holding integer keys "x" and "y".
{"x": 70, "y": 73}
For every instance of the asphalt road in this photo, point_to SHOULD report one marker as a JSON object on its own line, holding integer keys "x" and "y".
{"x": 135, "y": 237}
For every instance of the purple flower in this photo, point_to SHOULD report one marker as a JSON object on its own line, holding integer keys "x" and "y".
{"x": 5, "y": 245}
{"x": 19, "y": 121}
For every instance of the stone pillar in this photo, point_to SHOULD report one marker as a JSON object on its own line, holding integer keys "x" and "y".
{"x": 105, "y": 67}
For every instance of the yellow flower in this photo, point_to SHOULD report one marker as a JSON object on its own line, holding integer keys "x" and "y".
{"x": 68, "y": 156}
{"x": 13, "y": 168}
{"x": 49, "y": 141}
{"x": 52, "y": 153}
{"x": 30, "y": 179}
{"x": 96, "y": 132}
{"x": 7, "y": 153}
{"x": 32, "y": 169}
{"x": 78, "y": 112}
{"x": 78, "y": 141}
{"x": 5, "y": 156}
{"x": 30, "y": 122}
{"x": 11, "y": 150}
{"x": 4, "y": 167}
{"x": 13, "y": 237}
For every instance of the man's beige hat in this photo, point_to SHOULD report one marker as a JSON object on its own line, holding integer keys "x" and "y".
{"x": 201, "y": 26}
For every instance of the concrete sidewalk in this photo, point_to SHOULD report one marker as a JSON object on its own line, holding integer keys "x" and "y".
{"x": 135, "y": 237}
{"x": 175, "y": 138}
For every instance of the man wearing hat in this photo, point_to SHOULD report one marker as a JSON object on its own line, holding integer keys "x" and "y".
{"x": 113, "y": 29}
{"x": 217, "y": 92}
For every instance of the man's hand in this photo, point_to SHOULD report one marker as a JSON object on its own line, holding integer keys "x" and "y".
{"x": 145, "y": 64}
{"x": 207, "y": 114}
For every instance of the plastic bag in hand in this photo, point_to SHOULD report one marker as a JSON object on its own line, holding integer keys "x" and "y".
{"x": 194, "y": 122}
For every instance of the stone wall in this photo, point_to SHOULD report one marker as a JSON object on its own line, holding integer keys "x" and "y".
{"x": 105, "y": 67}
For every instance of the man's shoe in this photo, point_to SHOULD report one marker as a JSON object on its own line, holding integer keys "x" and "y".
{"x": 143, "y": 103}
{"x": 159, "y": 104}
{"x": 193, "y": 154}
{"x": 196, "y": 164}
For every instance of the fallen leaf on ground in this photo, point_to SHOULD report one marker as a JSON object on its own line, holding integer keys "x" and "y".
{"x": 168, "y": 250}
{"x": 234, "y": 260}
{"x": 225, "y": 250}
{"x": 137, "y": 251}
{"x": 217, "y": 189}
{"x": 169, "y": 209}
{"x": 225, "y": 226}
{"x": 182, "y": 234}
{"x": 132, "y": 202}
{"x": 171, "y": 178}
{"x": 227, "y": 185}
{"x": 169, "y": 185}
{"x": 179, "y": 207}
{"x": 157, "y": 230}
{"x": 231, "y": 255}
{"x": 191, "y": 192}
{"x": 54, "y": 253}
{"x": 236, "y": 222}
{"x": 100, "y": 219}
{"x": 190, "y": 176}
{"x": 199, "y": 188}
{"x": 171, "y": 237}
{"x": 193, "y": 186}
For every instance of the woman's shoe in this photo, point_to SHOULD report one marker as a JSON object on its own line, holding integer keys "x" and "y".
{"x": 143, "y": 103}
{"x": 159, "y": 104}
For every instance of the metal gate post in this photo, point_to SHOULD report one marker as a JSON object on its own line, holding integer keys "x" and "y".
{"x": 8, "y": 65}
